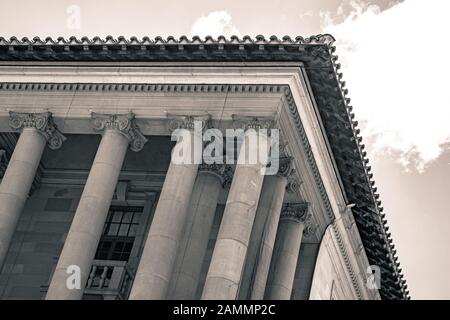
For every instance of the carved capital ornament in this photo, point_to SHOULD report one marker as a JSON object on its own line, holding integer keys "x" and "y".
{"x": 42, "y": 122}
{"x": 187, "y": 122}
{"x": 223, "y": 171}
{"x": 297, "y": 212}
{"x": 285, "y": 167}
{"x": 124, "y": 124}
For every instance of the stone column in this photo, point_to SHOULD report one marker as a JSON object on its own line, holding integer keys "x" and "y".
{"x": 158, "y": 258}
{"x": 264, "y": 232}
{"x": 192, "y": 250}
{"x": 119, "y": 131}
{"x": 227, "y": 263}
{"x": 287, "y": 246}
{"x": 37, "y": 130}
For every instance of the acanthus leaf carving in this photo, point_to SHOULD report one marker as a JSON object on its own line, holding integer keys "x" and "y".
{"x": 123, "y": 123}
{"x": 42, "y": 122}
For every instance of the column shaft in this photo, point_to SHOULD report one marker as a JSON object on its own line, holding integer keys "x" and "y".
{"x": 86, "y": 229}
{"x": 158, "y": 258}
{"x": 263, "y": 238}
{"x": 17, "y": 182}
{"x": 284, "y": 260}
{"x": 194, "y": 244}
{"x": 227, "y": 263}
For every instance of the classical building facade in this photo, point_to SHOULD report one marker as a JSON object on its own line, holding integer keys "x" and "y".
{"x": 91, "y": 196}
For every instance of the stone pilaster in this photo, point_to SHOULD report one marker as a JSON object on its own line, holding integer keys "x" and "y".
{"x": 227, "y": 263}
{"x": 118, "y": 132}
{"x": 37, "y": 130}
{"x": 287, "y": 246}
{"x": 210, "y": 181}
{"x": 166, "y": 231}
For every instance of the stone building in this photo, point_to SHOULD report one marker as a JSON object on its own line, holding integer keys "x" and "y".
{"x": 89, "y": 193}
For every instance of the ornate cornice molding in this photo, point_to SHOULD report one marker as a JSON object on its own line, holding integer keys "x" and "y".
{"x": 123, "y": 123}
{"x": 223, "y": 171}
{"x": 42, "y": 122}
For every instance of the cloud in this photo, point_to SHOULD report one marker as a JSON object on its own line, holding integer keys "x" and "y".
{"x": 216, "y": 23}
{"x": 395, "y": 64}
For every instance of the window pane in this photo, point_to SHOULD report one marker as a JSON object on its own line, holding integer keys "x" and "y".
{"x": 128, "y": 247}
{"x": 105, "y": 245}
{"x": 113, "y": 228}
{"x": 133, "y": 230}
{"x": 137, "y": 217}
{"x": 123, "y": 230}
{"x": 117, "y": 217}
{"x": 116, "y": 256}
{"x": 101, "y": 255}
{"x": 127, "y": 217}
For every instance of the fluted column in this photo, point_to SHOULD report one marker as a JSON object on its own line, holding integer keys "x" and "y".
{"x": 192, "y": 249}
{"x": 285, "y": 255}
{"x": 158, "y": 258}
{"x": 264, "y": 232}
{"x": 227, "y": 263}
{"x": 37, "y": 129}
{"x": 119, "y": 131}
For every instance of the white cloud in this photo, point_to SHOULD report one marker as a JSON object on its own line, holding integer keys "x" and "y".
{"x": 216, "y": 23}
{"x": 395, "y": 64}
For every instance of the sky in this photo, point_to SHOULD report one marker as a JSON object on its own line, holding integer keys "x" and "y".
{"x": 393, "y": 56}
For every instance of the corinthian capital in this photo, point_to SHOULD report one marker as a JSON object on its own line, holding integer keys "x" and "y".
{"x": 123, "y": 123}
{"x": 223, "y": 171}
{"x": 286, "y": 167}
{"x": 43, "y": 122}
{"x": 295, "y": 211}
{"x": 187, "y": 122}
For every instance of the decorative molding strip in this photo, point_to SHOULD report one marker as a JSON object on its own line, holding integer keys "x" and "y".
{"x": 142, "y": 87}
{"x": 124, "y": 123}
{"x": 42, "y": 122}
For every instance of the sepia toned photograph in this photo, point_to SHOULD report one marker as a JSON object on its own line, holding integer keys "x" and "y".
{"x": 204, "y": 151}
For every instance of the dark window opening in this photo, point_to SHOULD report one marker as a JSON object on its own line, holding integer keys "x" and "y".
{"x": 119, "y": 233}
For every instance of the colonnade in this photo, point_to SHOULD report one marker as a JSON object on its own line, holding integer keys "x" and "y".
{"x": 257, "y": 246}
